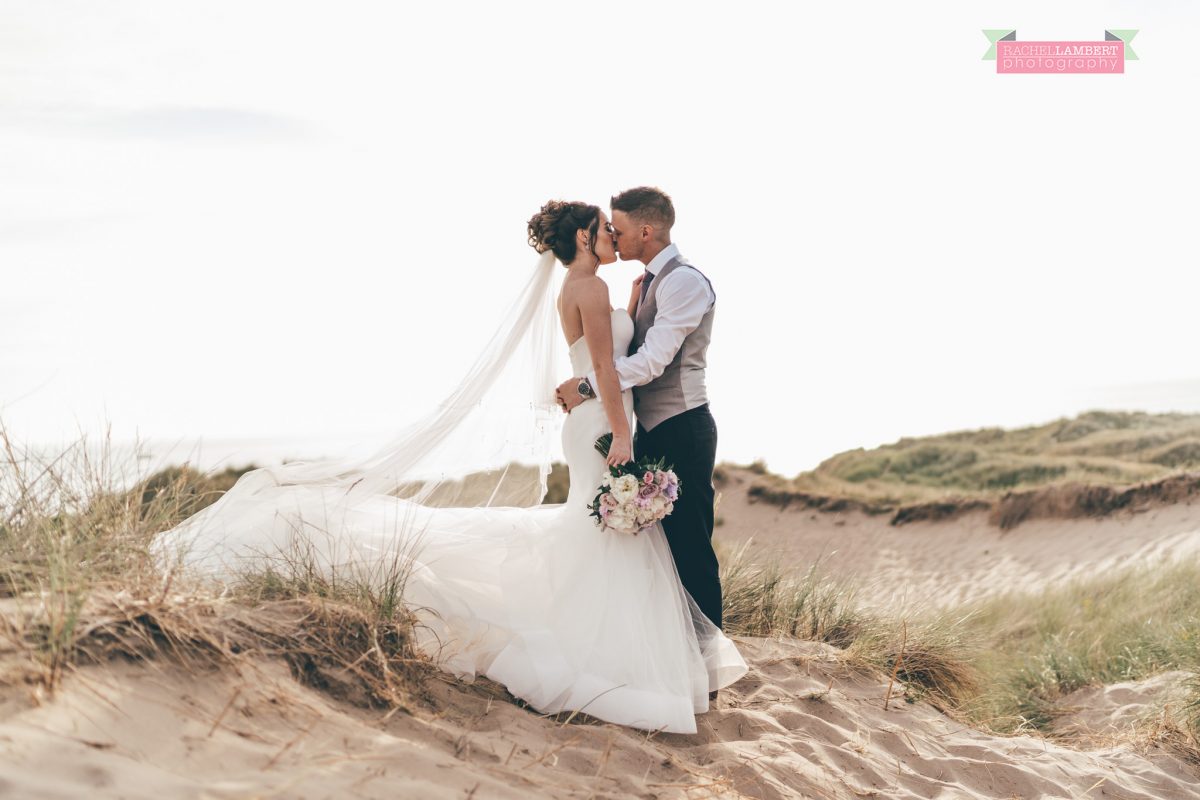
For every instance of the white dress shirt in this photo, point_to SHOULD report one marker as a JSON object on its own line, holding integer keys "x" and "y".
{"x": 684, "y": 297}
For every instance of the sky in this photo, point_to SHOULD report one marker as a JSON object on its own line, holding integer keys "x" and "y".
{"x": 289, "y": 220}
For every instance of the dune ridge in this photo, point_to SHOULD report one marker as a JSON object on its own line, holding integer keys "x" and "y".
{"x": 1092, "y": 465}
{"x": 954, "y": 559}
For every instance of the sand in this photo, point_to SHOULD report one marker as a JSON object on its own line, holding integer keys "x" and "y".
{"x": 1098, "y": 715}
{"x": 800, "y": 724}
{"x": 949, "y": 562}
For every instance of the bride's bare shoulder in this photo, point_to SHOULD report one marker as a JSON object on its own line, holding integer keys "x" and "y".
{"x": 586, "y": 291}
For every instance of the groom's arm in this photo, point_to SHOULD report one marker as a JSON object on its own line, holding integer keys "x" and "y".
{"x": 683, "y": 300}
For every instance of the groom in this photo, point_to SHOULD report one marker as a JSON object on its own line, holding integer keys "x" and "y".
{"x": 665, "y": 368}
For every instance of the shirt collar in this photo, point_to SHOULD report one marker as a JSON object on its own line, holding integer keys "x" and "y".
{"x": 659, "y": 261}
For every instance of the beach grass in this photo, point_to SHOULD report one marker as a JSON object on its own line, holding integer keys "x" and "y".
{"x": 78, "y": 585}
{"x": 1003, "y": 664}
{"x": 931, "y": 650}
{"x": 1098, "y": 447}
{"x": 1088, "y": 465}
{"x": 1125, "y": 626}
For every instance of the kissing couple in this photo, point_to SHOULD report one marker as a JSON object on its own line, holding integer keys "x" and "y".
{"x": 566, "y": 614}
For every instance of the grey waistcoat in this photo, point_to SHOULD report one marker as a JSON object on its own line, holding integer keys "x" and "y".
{"x": 681, "y": 386}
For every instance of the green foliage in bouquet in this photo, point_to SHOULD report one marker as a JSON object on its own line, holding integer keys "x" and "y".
{"x": 604, "y": 444}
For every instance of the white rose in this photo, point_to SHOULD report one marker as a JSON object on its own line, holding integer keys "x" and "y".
{"x": 620, "y": 520}
{"x": 625, "y": 488}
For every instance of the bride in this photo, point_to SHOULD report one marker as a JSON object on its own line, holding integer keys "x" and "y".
{"x": 566, "y": 615}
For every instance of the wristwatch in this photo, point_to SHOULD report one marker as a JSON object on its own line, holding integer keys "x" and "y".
{"x": 585, "y": 389}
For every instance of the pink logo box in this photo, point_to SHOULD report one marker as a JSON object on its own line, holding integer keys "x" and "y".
{"x": 1041, "y": 57}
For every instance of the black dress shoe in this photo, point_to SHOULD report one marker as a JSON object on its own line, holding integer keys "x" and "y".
{"x": 712, "y": 696}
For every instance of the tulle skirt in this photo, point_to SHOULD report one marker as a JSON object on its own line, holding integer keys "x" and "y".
{"x": 567, "y": 616}
{"x": 570, "y": 617}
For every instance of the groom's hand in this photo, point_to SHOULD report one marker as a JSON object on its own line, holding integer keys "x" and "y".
{"x": 567, "y": 395}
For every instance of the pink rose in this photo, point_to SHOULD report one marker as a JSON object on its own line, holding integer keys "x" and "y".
{"x": 648, "y": 492}
{"x": 648, "y": 477}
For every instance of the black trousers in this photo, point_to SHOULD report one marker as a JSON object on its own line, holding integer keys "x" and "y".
{"x": 688, "y": 441}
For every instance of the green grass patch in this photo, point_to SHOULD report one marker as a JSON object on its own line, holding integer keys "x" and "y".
{"x": 1096, "y": 448}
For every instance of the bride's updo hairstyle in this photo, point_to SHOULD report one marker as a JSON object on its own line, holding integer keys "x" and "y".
{"x": 554, "y": 227}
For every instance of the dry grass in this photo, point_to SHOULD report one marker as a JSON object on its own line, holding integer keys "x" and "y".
{"x": 81, "y": 586}
{"x": 1191, "y": 711}
{"x": 75, "y": 556}
{"x": 930, "y": 651}
{"x": 1003, "y": 664}
{"x": 1124, "y": 626}
{"x": 763, "y": 600}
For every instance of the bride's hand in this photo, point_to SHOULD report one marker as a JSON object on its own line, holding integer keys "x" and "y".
{"x": 620, "y": 451}
{"x": 636, "y": 293}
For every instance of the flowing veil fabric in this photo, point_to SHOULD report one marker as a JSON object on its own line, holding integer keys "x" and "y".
{"x": 537, "y": 597}
{"x": 489, "y": 443}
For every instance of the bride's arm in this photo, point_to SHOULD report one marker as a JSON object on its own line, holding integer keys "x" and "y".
{"x": 635, "y": 295}
{"x": 597, "y": 330}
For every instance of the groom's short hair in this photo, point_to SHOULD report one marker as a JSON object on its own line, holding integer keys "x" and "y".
{"x": 648, "y": 205}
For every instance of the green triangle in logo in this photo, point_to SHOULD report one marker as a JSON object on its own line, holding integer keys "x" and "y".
{"x": 994, "y": 35}
{"x": 1125, "y": 36}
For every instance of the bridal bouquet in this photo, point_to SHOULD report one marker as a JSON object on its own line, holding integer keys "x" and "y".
{"x": 634, "y": 495}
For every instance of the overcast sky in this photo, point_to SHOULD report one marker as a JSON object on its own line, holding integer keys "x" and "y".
{"x": 284, "y": 219}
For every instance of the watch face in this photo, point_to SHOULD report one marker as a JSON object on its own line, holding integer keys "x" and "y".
{"x": 585, "y": 389}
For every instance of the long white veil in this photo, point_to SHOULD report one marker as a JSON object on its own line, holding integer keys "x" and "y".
{"x": 565, "y": 620}
{"x": 489, "y": 443}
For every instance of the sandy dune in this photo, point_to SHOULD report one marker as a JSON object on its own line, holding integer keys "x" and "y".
{"x": 956, "y": 560}
{"x": 799, "y": 725}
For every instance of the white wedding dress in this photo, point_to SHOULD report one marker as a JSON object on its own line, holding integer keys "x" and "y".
{"x": 567, "y": 616}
